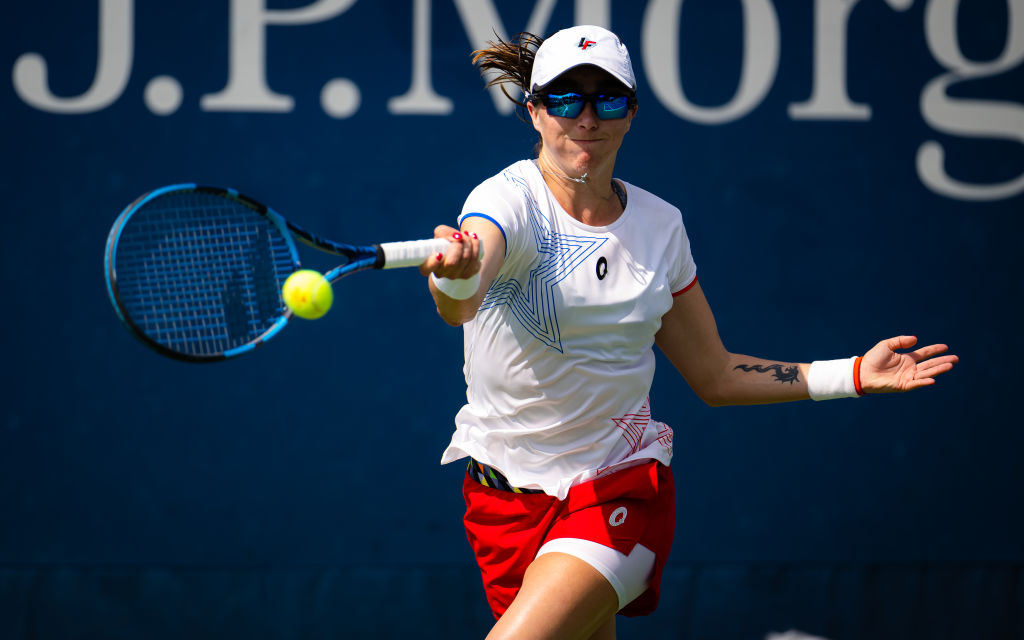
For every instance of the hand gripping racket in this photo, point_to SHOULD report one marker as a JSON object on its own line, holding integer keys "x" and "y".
{"x": 195, "y": 272}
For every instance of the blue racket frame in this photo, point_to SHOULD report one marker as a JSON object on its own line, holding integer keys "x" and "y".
{"x": 139, "y": 308}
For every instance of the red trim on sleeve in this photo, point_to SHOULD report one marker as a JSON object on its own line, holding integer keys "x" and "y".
{"x": 856, "y": 376}
{"x": 685, "y": 289}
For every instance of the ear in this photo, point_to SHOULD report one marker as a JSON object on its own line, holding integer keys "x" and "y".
{"x": 632, "y": 114}
{"x": 534, "y": 112}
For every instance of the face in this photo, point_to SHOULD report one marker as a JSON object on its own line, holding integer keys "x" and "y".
{"x": 584, "y": 144}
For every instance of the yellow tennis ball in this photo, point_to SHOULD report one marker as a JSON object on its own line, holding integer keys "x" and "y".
{"x": 308, "y": 294}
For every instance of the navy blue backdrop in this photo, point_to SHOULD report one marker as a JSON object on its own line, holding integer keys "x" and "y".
{"x": 847, "y": 171}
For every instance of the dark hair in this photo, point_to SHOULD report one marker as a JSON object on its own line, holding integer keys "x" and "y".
{"x": 513, "y": 61}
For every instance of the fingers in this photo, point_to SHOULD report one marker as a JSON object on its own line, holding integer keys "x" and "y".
{"x": 444, "y": 231}
{"x": 461, "y": 261}
{"x": 936, "y": 366}
{"x": 905, "y": 342}
{"x": 434, "y": 262}
{"x": 900, "y": 342}
{"x": 919, "y": 355}
{"x": 927, "y": 352}
{"x": 917, "y": 384}
{"x": 928, "y": 364}
{"x": 926, "y": 371}
{"x": 885, "y": 368}
{"x": 461, "y": 258}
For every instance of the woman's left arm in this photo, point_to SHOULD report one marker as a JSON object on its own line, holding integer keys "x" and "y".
{"x": 689, "y": 338}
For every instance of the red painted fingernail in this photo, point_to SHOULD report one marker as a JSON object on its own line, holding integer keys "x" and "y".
{"x": 457, "y": 235}
{"x": 439, "y": 257}
{"x": 474, "y": 236}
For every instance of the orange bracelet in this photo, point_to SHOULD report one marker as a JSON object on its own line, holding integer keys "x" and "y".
{"x": 856, "y": 376}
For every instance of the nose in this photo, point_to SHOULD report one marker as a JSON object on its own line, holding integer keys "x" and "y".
{"x": 588, "y": 117}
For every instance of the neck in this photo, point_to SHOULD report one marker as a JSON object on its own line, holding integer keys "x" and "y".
{"x": 589, "y": 200}
{"x": 565, "y": 177}
{"x": 584, "y": 179}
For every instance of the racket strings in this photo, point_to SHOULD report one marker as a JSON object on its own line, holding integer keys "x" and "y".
{"x": 201, "y": 273}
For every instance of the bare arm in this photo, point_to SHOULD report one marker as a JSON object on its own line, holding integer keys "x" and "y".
{"x": 461, "y": 261}
{"x": 689, "y": 338}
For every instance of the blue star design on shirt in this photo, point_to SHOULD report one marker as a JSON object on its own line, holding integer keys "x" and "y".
{"x": 560, "y": 254}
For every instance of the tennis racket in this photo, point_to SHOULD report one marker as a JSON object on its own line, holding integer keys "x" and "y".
{"x": 195, "y": 272}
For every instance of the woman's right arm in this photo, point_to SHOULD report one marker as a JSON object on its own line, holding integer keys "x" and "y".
{"x": 462, "y": 260}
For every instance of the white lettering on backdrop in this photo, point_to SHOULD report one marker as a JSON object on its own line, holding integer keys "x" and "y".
{"x": 247, "y": 88}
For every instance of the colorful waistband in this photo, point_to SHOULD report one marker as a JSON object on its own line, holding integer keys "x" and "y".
{"x": 491, "y": 477}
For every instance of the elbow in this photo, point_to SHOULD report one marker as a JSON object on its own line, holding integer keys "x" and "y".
{"x": 712, "y": 401}
{"x": 456, "y": 316}
{"x": 711, "y": 395}
{"x": 450, "y": 319}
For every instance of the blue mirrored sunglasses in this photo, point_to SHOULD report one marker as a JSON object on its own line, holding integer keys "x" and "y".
{"x": 570, "y": 105}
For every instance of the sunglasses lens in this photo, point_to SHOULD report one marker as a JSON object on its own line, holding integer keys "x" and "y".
{"x": 564, "y": 105}
{"x": 611, "y": 107}
{"x": 570, "y": 105}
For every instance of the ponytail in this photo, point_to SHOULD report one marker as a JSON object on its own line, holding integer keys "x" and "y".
{"x": 513, "y": 62}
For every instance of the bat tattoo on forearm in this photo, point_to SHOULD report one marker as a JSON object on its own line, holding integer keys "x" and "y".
{"x": 782, "y": 374}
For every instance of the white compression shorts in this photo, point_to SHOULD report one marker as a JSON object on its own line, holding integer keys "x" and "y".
{"x": 628, "y": 575}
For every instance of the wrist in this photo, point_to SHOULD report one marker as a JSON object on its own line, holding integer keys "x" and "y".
{"x": 830, "y": 379}
{"x": 459, "y": 289}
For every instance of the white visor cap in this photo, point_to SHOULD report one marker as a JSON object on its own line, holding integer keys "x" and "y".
{"x": 585, "y": 44}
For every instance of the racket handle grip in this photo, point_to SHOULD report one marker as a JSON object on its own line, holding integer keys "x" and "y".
{"x": 412, "y": 253}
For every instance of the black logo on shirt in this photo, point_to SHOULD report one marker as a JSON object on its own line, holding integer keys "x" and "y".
{"x": 602, "y": 268}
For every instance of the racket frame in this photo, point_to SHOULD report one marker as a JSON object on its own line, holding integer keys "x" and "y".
{"x": 360, "y": 258}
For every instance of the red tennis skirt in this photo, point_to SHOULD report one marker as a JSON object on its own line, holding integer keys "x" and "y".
{"x": 620, "y": 510}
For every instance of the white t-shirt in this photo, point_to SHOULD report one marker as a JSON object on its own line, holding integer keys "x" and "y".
{"x": 559, "y": 358}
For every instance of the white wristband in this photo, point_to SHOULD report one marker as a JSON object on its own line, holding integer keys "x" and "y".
{"x": 460, "y": 289}
{"x": 829, "y": 379}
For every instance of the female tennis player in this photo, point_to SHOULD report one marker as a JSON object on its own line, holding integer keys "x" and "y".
{"x": 569, "y": 494}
